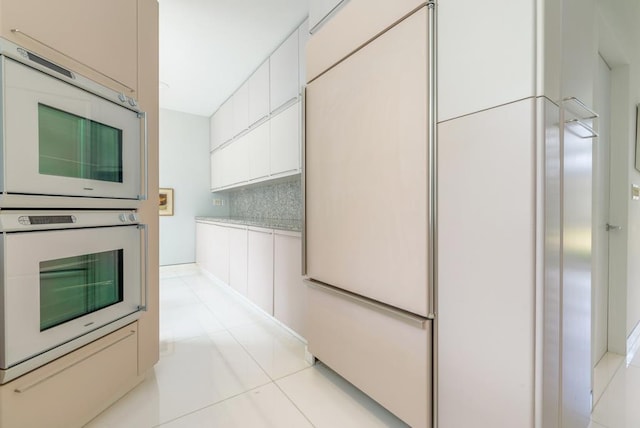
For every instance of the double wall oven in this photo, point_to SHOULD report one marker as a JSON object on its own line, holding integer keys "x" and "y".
{"x": 73, "y": 172}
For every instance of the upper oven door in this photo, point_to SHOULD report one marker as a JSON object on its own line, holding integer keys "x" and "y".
{"x": 63, "y": 141}
{"x": 61, "y": 284}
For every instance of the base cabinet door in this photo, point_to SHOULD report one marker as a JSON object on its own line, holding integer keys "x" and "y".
{"x": 260, "y": 272}
{"x": 289, "y": 291}
{"x": 96, "y": 39}
{"x": 238, "y": 259}
{"x": 383, "y": 352}
{"x": 220, "y": 253}
{"x": 64, "y": 393}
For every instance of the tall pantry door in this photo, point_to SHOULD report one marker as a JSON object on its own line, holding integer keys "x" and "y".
{"x": 367, "y": 173}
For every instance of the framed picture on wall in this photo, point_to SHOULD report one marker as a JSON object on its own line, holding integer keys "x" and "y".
{"x": 165, "y": 204}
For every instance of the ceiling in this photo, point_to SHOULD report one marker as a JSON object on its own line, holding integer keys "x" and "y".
{"x": 208, "y": 48}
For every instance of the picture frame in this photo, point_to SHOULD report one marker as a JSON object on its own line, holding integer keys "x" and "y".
{"x": 165, "y": 201}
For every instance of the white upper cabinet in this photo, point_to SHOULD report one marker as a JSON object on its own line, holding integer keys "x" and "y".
{"x": 225, "y": 121}
{"x": 258, "y": 147}
{"x": 259, "y": 94}
{"x": 285, "y": 141}
{"x": 319, "y": 10}
{"x": 284, "y": 72}
{"x": 241, "y": 109}
{"x": 303, "y": 38}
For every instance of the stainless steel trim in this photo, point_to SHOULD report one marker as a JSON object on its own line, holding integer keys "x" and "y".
{"x": 590, "y": 130}
{"x": 408, "y": 317}
{"x": 611, "y": 227}
{"x": 145, "y": 142}
{"x": 144, "y": 292}
{"x": 432, "y": 135}
{"x": 591, "y": 114}
{"x": 327, "y": 17}
{"x": 23, "y": 389}
{"x": 303, "y": 182}
{"x": 28, "y": 36}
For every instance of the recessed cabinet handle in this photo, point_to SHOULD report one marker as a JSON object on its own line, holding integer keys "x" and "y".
{"x": 613, "y": 227}
{"x": 30, "y": 37}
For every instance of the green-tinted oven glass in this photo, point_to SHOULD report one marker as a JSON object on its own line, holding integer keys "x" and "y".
{"x": 75, "y": 286}
{"x": 76, "y": 147}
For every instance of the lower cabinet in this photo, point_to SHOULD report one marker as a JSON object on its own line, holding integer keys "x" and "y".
{"x": 289, "y": 291}
{"x": 238, "y": 252}
{"x": 64, "y": 393}
{"x": 260, "y": 268}
{"x": 262, "y": 264}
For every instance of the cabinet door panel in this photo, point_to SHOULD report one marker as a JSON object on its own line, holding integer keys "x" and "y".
{"x": 241, "y": 109}
{"x": 285, "y": 140}
{"x": 220, "y": 253}
{"x": 100, "y": 35}
{"x": 289, "y": 292}
{"x": 258, "y": 148}
{"x": 260, "y": 275}
{"x": 284, "y": 72}
{"x": 238, "y": 260}
{"x": 366, "y": 139}
{"x": 259, "y": 93}
{"x": 215, "y": 131}
{"x": 225, "y": 121}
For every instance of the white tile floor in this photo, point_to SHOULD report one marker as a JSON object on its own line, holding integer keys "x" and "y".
{"x": 225, "y": 364}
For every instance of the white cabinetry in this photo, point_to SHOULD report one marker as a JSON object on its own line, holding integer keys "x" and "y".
{"x": 238, "y": 259}
{"x": 289, "y": 292}
{"x": 285, "y": 141}
{"x": 222, "y": 125}
{"x": 241, "y": 109}
{"x": 259, "y": 94}
{"x": 217, "y": 247}
{"x": 260, "y": 268}
{"x": 284, "y": 72}
{"x": 258, "y": 147}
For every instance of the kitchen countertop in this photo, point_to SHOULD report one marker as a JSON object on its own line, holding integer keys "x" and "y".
{"x": 270, "y": 223}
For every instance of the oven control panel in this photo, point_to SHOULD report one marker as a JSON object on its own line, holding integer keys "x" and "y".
{"x": 14, "y": 221}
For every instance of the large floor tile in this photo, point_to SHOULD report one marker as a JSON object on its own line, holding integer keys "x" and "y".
{"x": 174, "y": 293}
{"x": 619, "y": 407}
{"x": 187, "y": 322}
{"x": 277, "y": 351}
{"x": 330, "y": 401}
{"x": 596, "y": 425}
{"x": 191, "y": 375}
{"x": 263, "y": 407}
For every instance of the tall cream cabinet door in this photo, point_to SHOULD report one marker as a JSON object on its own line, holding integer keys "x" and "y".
{"x": 367, "y": 170}
{"x": 98, "y": 39}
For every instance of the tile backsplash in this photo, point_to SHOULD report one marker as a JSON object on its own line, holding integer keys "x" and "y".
{"x": 274, "y": 200}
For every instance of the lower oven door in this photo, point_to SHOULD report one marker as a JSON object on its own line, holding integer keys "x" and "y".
{"x": 59, "y": 285}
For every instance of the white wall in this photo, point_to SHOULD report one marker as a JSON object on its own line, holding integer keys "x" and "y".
{"x": 184, "y": 166}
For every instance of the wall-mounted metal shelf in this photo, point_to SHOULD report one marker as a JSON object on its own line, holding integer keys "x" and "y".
{"x": 576, "y": 117}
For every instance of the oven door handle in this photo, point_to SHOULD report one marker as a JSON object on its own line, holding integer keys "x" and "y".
{"x": 145, "y": 156}
{"x": 144, "y": 251}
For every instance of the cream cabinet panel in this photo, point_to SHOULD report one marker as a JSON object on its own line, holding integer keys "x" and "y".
{"x": 285, "y": 141}
{"x": 241, "y": 109}
{"x": 360, "y": 149}
{"x": 258, "y": 147}
{"x": 383, "y": 353}
{"x": 259, "y": 94}
{"x": 71, "y": 390}
{"x": 289, "y": 291}
{"x": 486, "y": 267}
{"x": 238, "y": 253}
{"x": 357, "y": 22}
{"x": 260, "y": 272}
{"x": 95, "y": 38}
{"x": 283, "y": 65}
{"x": 482, "y": 62}
{"x": 219, "y": 252}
